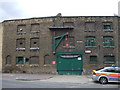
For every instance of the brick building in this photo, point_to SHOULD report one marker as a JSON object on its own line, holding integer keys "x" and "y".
{"x": 1, "y": 31}
{"x": 60, "y": 44}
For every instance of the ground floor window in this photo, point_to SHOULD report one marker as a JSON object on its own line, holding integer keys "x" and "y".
{"x": 19, "y": 60}
{"x": 93, "y": 59}
{"x": 8, "y": 59}
{"x": 109, "y": 59}
{"x": 47, "y": 59}
{"x": 34, "y": 60}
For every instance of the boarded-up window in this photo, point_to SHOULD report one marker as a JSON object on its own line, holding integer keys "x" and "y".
{"x": 68, "y": 24}
{"x": 34, "y": 60}
{"x": 8, "y": 59}
{"x": 109, "y": 59}
{"x": 20, "y": 43}
{"x": 21, "y": 29}
{"x": 90, "y": 26}
{"x": 34, "y": 42}
{"x": 93, "y": 59}
{"x": 35, "y": 27}
{"x": 69, "y": 41}
{"x": 72, "y": 41}
{"x": 47, "y": 59}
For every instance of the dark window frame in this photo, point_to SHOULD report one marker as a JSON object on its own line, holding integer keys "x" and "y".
{"x": 109, "y": 59}
{"x": 20, "y": 60}
{"x": 107, "y": 26}
{"x": 93, "y": 60}
{"x": 108, "y": 41}
{"x": 90, "y": 41}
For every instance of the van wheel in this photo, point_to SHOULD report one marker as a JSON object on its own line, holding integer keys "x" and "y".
{"x": 103, "y": 80}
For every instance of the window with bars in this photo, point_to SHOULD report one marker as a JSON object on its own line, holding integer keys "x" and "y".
{"x": 90, "y": 41}
{"x": 107, "y": 26}
{"x": 93, "y": 59}
{"x": 108, "y": 41}
{"x": 109, "y": 59}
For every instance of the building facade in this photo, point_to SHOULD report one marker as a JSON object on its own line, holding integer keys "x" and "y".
{"x": 1, "y": 34}
{"x": 59, "y": 44}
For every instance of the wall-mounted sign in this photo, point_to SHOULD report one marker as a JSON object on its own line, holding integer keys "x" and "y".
{"x": 87, "y": 51}
{"x": 69, "y": 56}
{"x": 79, "y": 58}
{"x": 53, "y": 62}
{"x": 79, "y": 41}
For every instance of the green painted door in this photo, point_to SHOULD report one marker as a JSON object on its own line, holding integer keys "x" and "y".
{"x": 69, "y": 64}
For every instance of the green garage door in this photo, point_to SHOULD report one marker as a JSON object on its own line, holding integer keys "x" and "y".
{"x": 69, "y": 63}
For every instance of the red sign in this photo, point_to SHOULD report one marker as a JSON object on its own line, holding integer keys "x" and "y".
{"x": 53, "y": 62}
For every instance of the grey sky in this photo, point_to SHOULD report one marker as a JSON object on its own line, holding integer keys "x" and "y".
{"x": 15, "y": 9}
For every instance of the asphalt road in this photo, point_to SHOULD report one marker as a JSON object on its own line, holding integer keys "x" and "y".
{"x": 45, "y": 84}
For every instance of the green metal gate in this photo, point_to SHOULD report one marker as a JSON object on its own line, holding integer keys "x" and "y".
{"x": 69, "y": 63}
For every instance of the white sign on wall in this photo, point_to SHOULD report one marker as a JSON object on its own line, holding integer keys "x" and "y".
{"x": 87, "y": 51}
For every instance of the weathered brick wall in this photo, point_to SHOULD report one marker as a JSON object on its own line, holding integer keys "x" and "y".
{"x": 1, "y": 34}
{"x": 119, "y": 39}
{"x": 45, "y": 42}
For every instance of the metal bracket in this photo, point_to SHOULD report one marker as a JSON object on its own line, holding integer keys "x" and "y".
{"x": 56, "y": 44}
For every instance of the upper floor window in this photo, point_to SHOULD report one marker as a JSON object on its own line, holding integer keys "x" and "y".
{"x": 20, "y": 44}
{"x": 107, "y": 26}
{"x": 69, "y": 41}
{"x": 35, "y": 27}
{"x": 90, "y": 41}
{"x": 34, "y": 43}
{"x": 108, "y": 41}
{"x": 68, "y": 24}
{"x": 90, "y": 26}
{"x": 21, "y": 29}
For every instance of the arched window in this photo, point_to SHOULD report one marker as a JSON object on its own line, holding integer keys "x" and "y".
{"x": 47, "y": 59}
{"x": 8, "y": 59}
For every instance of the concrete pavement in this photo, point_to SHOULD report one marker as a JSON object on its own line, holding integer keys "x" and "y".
{"x": 82, "y": 79}
{"x": 48, "y": 78}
